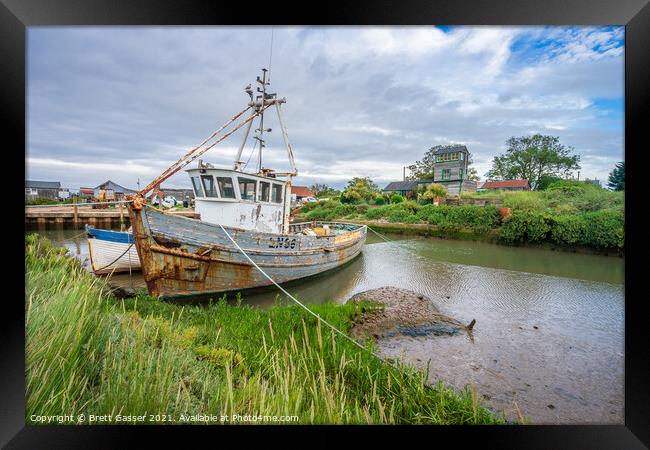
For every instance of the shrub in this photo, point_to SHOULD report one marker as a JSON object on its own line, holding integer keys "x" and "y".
{"x": 568, "y": 187}
{"x": 398, "y": 216}
{"x": 524, "y": 200}
{"x": 396, "y": 198}
{"x": 568, "y": 229}
{"x": 524, "y": 227}
{"x": 350, "y": 196}
{"x": 411, "y": 218}
{"x": 375, "y": 213}
{"x": 604, "y": 229}
{"x": 432, "y": 191}
{"x": 361, "y": 209}
{"x": 380, "y": 200}
{"x": 432, "y": 214}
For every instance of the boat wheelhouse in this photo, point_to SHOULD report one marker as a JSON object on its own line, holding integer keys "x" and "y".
{"x": 239, "y": 199}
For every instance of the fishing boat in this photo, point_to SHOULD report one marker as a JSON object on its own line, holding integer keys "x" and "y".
{"x": 111, "y": 251}
{"x": 244, "y": 237}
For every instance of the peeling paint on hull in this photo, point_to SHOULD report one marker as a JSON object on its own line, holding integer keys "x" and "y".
{"x": 183, "y": 257}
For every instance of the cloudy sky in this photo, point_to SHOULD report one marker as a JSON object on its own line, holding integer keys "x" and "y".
{"x": 122, "y": 103}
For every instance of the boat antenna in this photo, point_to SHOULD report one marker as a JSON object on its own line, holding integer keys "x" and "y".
{"x": 271, "y": 54}
{"x": 262, "y": 98}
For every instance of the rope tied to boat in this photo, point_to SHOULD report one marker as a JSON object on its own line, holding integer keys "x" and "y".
{"x": 318, "y": 317}
{"x": 116, "y": 259}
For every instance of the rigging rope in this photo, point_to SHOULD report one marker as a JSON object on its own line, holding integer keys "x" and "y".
{"x": 192, "y": 154}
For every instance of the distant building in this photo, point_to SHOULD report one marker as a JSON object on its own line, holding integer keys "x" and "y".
{"x": 301, "y": 192}
{"x": 508, "y": 185}
{"x": 43, "y": 189}
{"x": 404, "y": 188}
{"x": 596, "y": 182}
{"x": 86, "y": 192}
{"x": 118, "y": 191}
{"x": 450, "y": 169}
{"x": 178, "y": 194}
{"x": 480, "y": 186}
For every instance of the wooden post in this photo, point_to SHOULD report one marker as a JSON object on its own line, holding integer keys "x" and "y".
{"x": 75, "y": 211}
{"x": 121, "y": 217}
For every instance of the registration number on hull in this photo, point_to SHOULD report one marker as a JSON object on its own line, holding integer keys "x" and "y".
{"x": 282, "y": 242}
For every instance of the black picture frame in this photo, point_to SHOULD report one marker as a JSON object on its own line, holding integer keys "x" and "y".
{"x": 16, "y": 15}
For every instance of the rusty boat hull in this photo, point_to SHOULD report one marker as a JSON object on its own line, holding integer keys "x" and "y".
{"x": 187, "y": 257}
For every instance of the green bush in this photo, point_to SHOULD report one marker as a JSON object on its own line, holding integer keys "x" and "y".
{"x": 396, "y": 198}
{"x": 432, "y": 214}
{"x": 604, "y": 229}
{"x": 380, "y": 200}
{"x": 411, "y": 218}
{"x": 524, "y": 200}
{"x": 568, "y": 229}
{"x": 523, "y": 226}
{"x": 362, "y": 209}
{"x": 376, "y": 213}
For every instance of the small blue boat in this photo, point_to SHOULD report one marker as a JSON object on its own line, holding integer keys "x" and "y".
{"x": 112, "y": 251}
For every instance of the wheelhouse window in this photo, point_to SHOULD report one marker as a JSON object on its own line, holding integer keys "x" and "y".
{"x": 276, "y": 193}
{"x": 247, "y": 188}
{"x": 265, "y": 190}
{"x": 197, "y": 187}
{"x": 208, "y": 186}
{"x": 226, "y": 187}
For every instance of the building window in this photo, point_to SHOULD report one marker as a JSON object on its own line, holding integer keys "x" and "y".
{"x": 462, "y": 156}
{"x": 226, "y": 187}
{"x": 208, "y": 186}
{"x": 247, "y": 188}
{"x": 265, "y": 190}
{"x": 31, "y": 191}
{"x": 276, "y": 193}
{"x": 460, "y": 173}
{"x": 446, "y": 174}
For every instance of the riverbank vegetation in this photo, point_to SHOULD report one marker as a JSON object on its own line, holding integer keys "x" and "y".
{"x": 568, "y": 213}
{"x": 89, "y": 353}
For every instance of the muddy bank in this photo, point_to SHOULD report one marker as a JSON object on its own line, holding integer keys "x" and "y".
{"x": 394, "y": 311}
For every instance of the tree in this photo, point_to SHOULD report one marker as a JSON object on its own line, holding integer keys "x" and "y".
{"x": 432, "y": 191}
{"x": 472, "y": 174}
{"x": 616, "y": 179}
{"x": 531, "y": 157}
{"x": 545, "y": 181}
{"x": 323, "y": 190}
{"x": 358, "y": 190}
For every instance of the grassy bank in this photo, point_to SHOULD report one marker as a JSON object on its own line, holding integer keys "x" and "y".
{"x": 575, "y": 216}
{"x": 88, "y": 353}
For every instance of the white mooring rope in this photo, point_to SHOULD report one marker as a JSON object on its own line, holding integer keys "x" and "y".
{"x": 332, "y": 327}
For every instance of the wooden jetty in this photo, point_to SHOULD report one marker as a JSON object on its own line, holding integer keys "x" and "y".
{"x": 80, "y": 214}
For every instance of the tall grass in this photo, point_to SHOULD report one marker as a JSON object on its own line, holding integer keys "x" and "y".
{"x": 92, "y": 354}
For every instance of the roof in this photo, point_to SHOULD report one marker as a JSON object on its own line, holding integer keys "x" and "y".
{"x": 401, "y": 185}
{"x": 43, "y": 184}
{"x": 480, "y": 185}
{"x": 115, "y": 187}
{"x": 302, "y": 191}
{"x": 506, "y": 184}
{"x": 443, "y": 149}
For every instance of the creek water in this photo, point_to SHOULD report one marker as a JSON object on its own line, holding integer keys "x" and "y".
{"x": 548, "y": 343}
